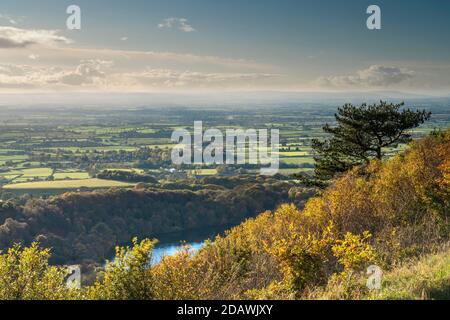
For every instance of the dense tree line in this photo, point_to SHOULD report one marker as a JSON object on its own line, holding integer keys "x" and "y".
{"x": 144, "y": 157}
{"x": 127, "y": 176}
{"x": 83, "y": 227}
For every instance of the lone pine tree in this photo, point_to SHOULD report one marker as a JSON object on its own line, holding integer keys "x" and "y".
{"x": 362, "y": 134}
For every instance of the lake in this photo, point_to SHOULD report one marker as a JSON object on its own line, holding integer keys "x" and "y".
{"x": 170, "y": 249}
{"x": 170, "y": 244}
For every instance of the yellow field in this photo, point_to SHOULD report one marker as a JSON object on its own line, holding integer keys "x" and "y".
{"x": 204, "y": 172}
{"x": 37, "y": 172}
{"x": 293, "y": 154}
{"x": 10, "y": 177}
{"x": 71, "y": 175}
{"x": 68, "y": 184}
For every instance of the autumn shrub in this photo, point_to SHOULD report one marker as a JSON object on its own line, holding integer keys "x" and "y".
{"x": 403, "y": 202}
{"x": 354, "y": 252}
{"x": 128, "y": 277}
{"x": 385, "y": 213}
{"x": 300, "y": 261}
{"x": 180, "y": 277}
{"x": 25, "y": 274}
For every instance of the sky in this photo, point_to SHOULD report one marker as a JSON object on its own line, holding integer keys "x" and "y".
{"x": 220, "y": 46}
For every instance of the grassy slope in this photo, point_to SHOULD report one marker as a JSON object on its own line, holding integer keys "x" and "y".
{"x": 427, "y": 278}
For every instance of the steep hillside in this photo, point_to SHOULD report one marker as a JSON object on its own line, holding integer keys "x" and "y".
{"x": 383, "y": 214}
{"x": 393, "y": 214}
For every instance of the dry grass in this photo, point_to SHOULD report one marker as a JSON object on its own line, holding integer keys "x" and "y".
{"x": 67, "y": 184}
{"x": 426, "y": 278}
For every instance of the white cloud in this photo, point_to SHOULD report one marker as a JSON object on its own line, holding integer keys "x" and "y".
{"x": 35, "y": 61}
{"x": 18, "y": 76}
{"x": 100, "y": 74}
{"x": 89, "y": 72}
{"x": 10, "y": 19}
{"x": 134, "y": 60}
{"x": 374, "y": 76}
{"x": 166, "y": 78}
{"x": 181, "y": 24}
{"x": 12, "y": 37}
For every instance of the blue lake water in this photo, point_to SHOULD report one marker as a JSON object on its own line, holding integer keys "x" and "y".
{"x": 170, "y": 249}
{"x": 170, "y": 244}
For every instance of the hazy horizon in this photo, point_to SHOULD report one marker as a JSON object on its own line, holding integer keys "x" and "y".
{"x": 210, "y": 99}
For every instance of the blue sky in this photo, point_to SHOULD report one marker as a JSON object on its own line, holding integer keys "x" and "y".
{"x": 226, "y": 45}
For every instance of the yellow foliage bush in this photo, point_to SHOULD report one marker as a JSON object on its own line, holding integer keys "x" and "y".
{"x": 128, "y": 277}
{"x": 180, "y": 277}
{"x": 26, "y": 275}
{"x": 354, "y": 252}
{"x": 409, "y": 192}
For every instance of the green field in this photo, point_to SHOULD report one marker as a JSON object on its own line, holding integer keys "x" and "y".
{"x": 4, "y": 158}
{"x": 297, "y": 160}
{"x": 55, "y": 148}
{"x": 294, "y": 171}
